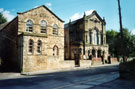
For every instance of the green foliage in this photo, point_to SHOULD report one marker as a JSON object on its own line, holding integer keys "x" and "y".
{"x": 121, "y": 46}
{"x": 111, "y": 37}
{"x": 2, "y": 19}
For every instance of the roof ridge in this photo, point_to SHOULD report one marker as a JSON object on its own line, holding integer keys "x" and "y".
{"x": 45, "y": 8}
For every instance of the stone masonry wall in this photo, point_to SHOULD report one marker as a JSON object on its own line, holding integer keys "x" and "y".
{"x": 46, "y": 60}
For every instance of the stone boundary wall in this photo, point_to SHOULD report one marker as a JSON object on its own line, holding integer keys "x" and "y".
{"x": 96, "y": 61}
{"x": 114, "y": 60}
{"x": 85, "y": 63}
{"x": 67, "y": 64}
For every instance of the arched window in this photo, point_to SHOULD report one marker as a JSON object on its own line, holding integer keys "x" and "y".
{"x": 29, "y": 26}
{"x": 31, "y": 44}
{"x": 43, "y": 25}
{"x": 55, "y": 51}
{"x": 55, "y": 29}
{"x": 39, "y": 46}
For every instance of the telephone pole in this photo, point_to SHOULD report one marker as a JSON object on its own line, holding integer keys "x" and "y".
{"x": 120, "y": 18}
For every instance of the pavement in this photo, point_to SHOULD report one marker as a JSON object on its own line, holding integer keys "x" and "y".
{"x": 77, "y": 78}
{"x": 11, "y": 75}
{"x": 66, "y": 69}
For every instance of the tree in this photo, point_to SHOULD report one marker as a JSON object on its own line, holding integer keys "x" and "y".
{"x": 111, "y": 37}
{"x": 124, "y": 45}
{"x": 121, "y": 47}
{"x": 2, "y": 19}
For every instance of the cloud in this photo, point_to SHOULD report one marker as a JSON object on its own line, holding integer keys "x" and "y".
{"x": 35, "y": 6}
{"x": 80, "y": 15}
{"x": 89, "y": 12}
{"x": 48, "y": 4}
{"x": 75, "y": 16}
{"x": 7, "y": 14}
{"x": 1, "y": 9}
{"x": 133, "y": 32}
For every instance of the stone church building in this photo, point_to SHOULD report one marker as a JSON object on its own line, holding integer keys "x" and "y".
{"x": 85, "y": 38}
{"x": 33, "y": 41}
{"x": 36, "y": 41}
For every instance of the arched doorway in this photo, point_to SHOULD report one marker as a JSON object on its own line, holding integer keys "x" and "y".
{"x": 99, "y": 53}
{"x": 93, "y": 52}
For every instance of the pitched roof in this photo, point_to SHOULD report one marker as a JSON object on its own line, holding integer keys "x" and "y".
{"x": 95, "y": 13}
{"x": 45, "y": 8}
{"x": 88, "y": 16}
{"x": 3, "y": 25}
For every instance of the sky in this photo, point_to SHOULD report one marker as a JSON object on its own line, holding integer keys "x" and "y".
{"x": 74, "y": 9}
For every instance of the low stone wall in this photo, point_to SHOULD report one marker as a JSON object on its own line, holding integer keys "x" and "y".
{"x": 85, "y": 63}
{"x": 114, "y": 60}
{"x": 67, "y": 64}
{"x": 96, "y": 61}
{"x": 127, "y": 70}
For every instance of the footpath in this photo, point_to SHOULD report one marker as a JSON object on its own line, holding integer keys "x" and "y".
{"x": 10, "y": 75}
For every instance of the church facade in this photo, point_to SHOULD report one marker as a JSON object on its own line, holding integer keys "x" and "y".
{"x": 85, "y": 38}
{"x": 33, "y": 41}
{"x": 36, "y": 40}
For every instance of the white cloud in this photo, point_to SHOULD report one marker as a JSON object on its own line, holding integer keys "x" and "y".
{"x": 48, "y": 4}
{"x": 35, "y": 6}
{"x": 75, "y": 16}
{"x": 89, "y": 12}
{"x": 133, "y": 32}
{"x": 7, "y": 15}
{"x": 78, "y": 15}
{"x": 1, "y": 9}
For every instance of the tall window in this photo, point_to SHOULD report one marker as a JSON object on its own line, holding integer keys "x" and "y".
{"x": 99, "y": 38}
{"x": 86, "y": 38}
{"x": 31, "y": 44}
{"x": 29, "y": 26}
{"x": 89, "y": 37}
{"x": 94, "y": 37}
{"x": 43, "y": 26}
{"x": 55, "y": 51}
{"x": 55, "y": 29}
{"x": 39, "y": 46}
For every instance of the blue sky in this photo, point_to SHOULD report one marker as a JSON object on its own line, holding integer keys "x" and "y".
{"x": 67, "y": 9}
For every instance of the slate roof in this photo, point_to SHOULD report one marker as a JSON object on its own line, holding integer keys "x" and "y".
{"x": 3, "y": 25}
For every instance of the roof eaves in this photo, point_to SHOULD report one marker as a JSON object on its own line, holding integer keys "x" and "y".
{"x": 7, "y": 24}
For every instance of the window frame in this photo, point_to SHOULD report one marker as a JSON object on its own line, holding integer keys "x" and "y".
{"x": 43, "y": 27}
{"x": 29, "y": 26}
{"x": 39, "y": 47}
{"x": 55, "y": 29}
{"x": 30, "y": 46}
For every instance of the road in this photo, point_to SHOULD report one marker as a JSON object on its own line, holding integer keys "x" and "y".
{"x": 78, "y": 79}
